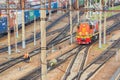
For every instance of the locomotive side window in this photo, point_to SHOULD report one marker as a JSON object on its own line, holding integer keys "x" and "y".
{"x": 91, "y": 26}
{"x": 77, "y": 27}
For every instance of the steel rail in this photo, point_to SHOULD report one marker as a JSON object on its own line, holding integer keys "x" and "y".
{"x": 68, "y": 71}
{"x": 61, "y": 59}
{"x": 100, "y": 60}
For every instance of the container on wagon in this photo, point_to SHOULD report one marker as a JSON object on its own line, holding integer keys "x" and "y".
{"x": 31, "y": 15}
{"x": 26, "y": 17}
{"x": 3, "y": 25}
{"x": 36, "y": 11}
{"x": 19, "y": 21}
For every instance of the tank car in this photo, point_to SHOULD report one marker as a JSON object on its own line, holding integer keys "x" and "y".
{"x": 87, "y": 31}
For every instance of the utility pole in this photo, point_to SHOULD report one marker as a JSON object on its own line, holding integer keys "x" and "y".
{"x": 87, "y": 7}
{"x": 49, "y": 10}
{"x": 8, "y": 19}
{"x": 113, "y": 5}
{"x": 16, "y": 28}
{"x": 58, "y": 6}
{"x": 90, "y": 12}
{"x": 109, "y": 3}
{"x": 23, "y": 24}
{"x": 96, "y": 16}
{"x": 43, "y": 43}
{"x": 34, "y": 30}
{"x": 100, "y": 26}
{"x": 66, "y": 4}
{"x": 71, "y": 28}
{"x": 78, "y": 19}
{"x": 15, "y": 36}
{"x": 105, "y": 25}
{"x": 16, "y": 23}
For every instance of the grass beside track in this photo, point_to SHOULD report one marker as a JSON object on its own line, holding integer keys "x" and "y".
{"x": 95, "y": 15}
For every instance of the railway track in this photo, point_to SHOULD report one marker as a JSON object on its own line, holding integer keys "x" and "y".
{"x": 61, "y": 59}
{"x": 4, "y": 66}
{"x": 8, "y": 64}
{"x": 62, "y": 34}
{"x": 116, "y": 75}
{"x": 11, "y": 64}
{"x": 78, "y": 61}
{"x": 97, "y": 63}
{"x": 31, "y": 39}
{"x": 31, "y": 76}
{"x": 109, "y": 30}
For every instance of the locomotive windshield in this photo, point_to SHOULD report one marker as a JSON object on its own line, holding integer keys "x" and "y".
{"x": 90, "y": 22}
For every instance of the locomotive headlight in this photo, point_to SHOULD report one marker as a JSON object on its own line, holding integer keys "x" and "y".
{"x": 80, "y": 33}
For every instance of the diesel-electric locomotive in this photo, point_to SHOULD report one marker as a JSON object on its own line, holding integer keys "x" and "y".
{"x": 87, "y": 31}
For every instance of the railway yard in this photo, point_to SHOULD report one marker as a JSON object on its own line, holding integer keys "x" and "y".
{"x": 60, "y": 40}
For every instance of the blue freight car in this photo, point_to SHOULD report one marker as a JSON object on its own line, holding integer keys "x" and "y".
{"x": 3, "y": 20}
{"x": 54, "y": 5}
{"x": 26, "y": 17}
{"x": 3, "y": 25}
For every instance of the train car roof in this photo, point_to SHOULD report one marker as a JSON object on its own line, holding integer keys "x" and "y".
{"x": 38, "y": 5}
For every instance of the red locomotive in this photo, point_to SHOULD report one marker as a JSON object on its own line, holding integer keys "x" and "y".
{"x": 87, "y": 31}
